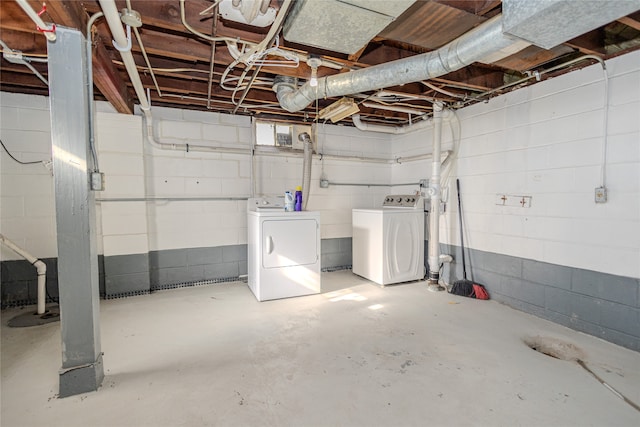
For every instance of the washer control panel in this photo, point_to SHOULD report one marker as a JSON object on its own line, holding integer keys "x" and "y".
{"x": 406, "y": 201}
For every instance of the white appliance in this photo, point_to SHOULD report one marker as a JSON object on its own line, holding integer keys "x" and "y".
{"x": 388, "y": 243}
{"x": 284, "y": 250}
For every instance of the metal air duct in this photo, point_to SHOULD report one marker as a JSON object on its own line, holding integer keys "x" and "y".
{"x": 484, "y": 43}
{"x": 548, "y": 23}
{"x": 340, "y": 25}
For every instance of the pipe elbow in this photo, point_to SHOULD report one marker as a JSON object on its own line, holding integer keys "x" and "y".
{"x": 41, "y": 267}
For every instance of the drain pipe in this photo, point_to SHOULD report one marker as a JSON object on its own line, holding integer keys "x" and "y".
{"x": 49, "y": 33}
{"x": 306, "y": 167}
{"x": 434, "y": 195}
{"x": 40, "y": 266}
{"x": 486, "y": 42}
{"x": 112, "y": 16}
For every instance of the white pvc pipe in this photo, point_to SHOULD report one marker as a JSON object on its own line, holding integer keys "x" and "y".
{"x": 24, "y": 4}
{"x": 40, "y": 266}
{"x": 113, "y": 20}
{"x": 358, "y": 123}
{"x": 434, "y": 194}
{"x": 112, "y": 16}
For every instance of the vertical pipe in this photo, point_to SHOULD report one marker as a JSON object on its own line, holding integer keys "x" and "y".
{"x": 434, "y": 194}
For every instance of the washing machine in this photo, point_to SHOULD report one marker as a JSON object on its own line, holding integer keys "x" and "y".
{"x": 283, "y": 250}
{"x": 388, "y": 243}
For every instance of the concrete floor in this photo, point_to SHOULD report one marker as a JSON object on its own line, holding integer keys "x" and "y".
{"x": 356, "y": 355}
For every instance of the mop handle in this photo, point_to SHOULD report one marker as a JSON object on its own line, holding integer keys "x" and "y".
{"x": 464, "y": 267}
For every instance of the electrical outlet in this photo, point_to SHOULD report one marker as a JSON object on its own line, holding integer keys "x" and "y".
{"x": 97, "y": 181}
{"x": 601, "y": 195}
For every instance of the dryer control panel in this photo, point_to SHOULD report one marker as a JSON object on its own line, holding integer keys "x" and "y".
{"x": 404, "y": 201}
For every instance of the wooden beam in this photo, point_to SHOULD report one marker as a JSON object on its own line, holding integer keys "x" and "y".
{"x": 165, "y": 15}
{"x": 591, "y": 43}
{"x": 106, "y": 77}
{"x": 630, "y": 22}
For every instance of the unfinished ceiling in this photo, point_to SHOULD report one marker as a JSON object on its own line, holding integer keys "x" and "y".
{"x": 224, "y": 56}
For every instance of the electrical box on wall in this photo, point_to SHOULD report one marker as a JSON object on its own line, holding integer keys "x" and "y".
{"x": 297, "y": 130}
{"x": 97, "y": 181}
{"x": 601, "y": 195}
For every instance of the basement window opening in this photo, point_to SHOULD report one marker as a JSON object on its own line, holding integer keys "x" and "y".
{"x": 274, "y": 134}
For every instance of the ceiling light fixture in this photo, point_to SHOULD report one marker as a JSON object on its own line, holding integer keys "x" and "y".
{"x": 339, "y": 110}
{"x": 314, "y": 62}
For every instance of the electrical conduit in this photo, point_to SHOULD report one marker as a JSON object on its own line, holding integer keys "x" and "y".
{"x": 40, "y": 266}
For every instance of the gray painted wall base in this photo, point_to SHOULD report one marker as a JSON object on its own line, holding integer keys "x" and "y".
{"x": 126, "y": 275}
{"x": 19, "y": 284}
{"x": 599, "y": 304}
{"x": 81, "y": 379}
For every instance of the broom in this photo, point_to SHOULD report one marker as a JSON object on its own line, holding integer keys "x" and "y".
{"x": 464, "y": 287}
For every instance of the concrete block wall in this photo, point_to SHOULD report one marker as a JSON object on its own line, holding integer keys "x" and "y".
{"x": 542, "y": 142}
{"x": 147, "y": 245}
{"x": 27, "y": 212}
{"x": 122, "y": 230}
{"x": 565, "y": 258}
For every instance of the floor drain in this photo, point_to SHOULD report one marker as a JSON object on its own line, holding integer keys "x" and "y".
{"x": 559, "y": 349}
{"x": 555, "y": 348}
{"x": 31, "y": 318}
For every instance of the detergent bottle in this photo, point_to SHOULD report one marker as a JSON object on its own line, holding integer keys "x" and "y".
{"x": 288, "y": 201}
{"x": 298, "y": 206}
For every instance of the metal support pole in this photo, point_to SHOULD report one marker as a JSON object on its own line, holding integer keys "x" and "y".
{"x": 434, "y": 193}
{"x": 82, "y": 370}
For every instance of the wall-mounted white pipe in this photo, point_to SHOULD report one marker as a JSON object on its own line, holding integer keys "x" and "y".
{"x": 40, "y": 266}
{"x": 112, "y": 16}
{"x": 434, "y": 194}
{"x": 113, "y": 20}
{"x": 422, "y": 124}
{"x": 24, "y": 4}
{"x": 117, "y": 31}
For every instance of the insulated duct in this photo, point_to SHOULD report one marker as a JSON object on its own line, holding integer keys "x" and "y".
{"x": 485, "y": 43}
{"x": 532, "y": 20}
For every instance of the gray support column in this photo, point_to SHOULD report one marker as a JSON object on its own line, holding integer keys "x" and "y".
{"x": 82, "y": 369}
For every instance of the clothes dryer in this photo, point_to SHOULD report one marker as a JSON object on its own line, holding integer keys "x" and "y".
{"x": 283, "y": 250}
